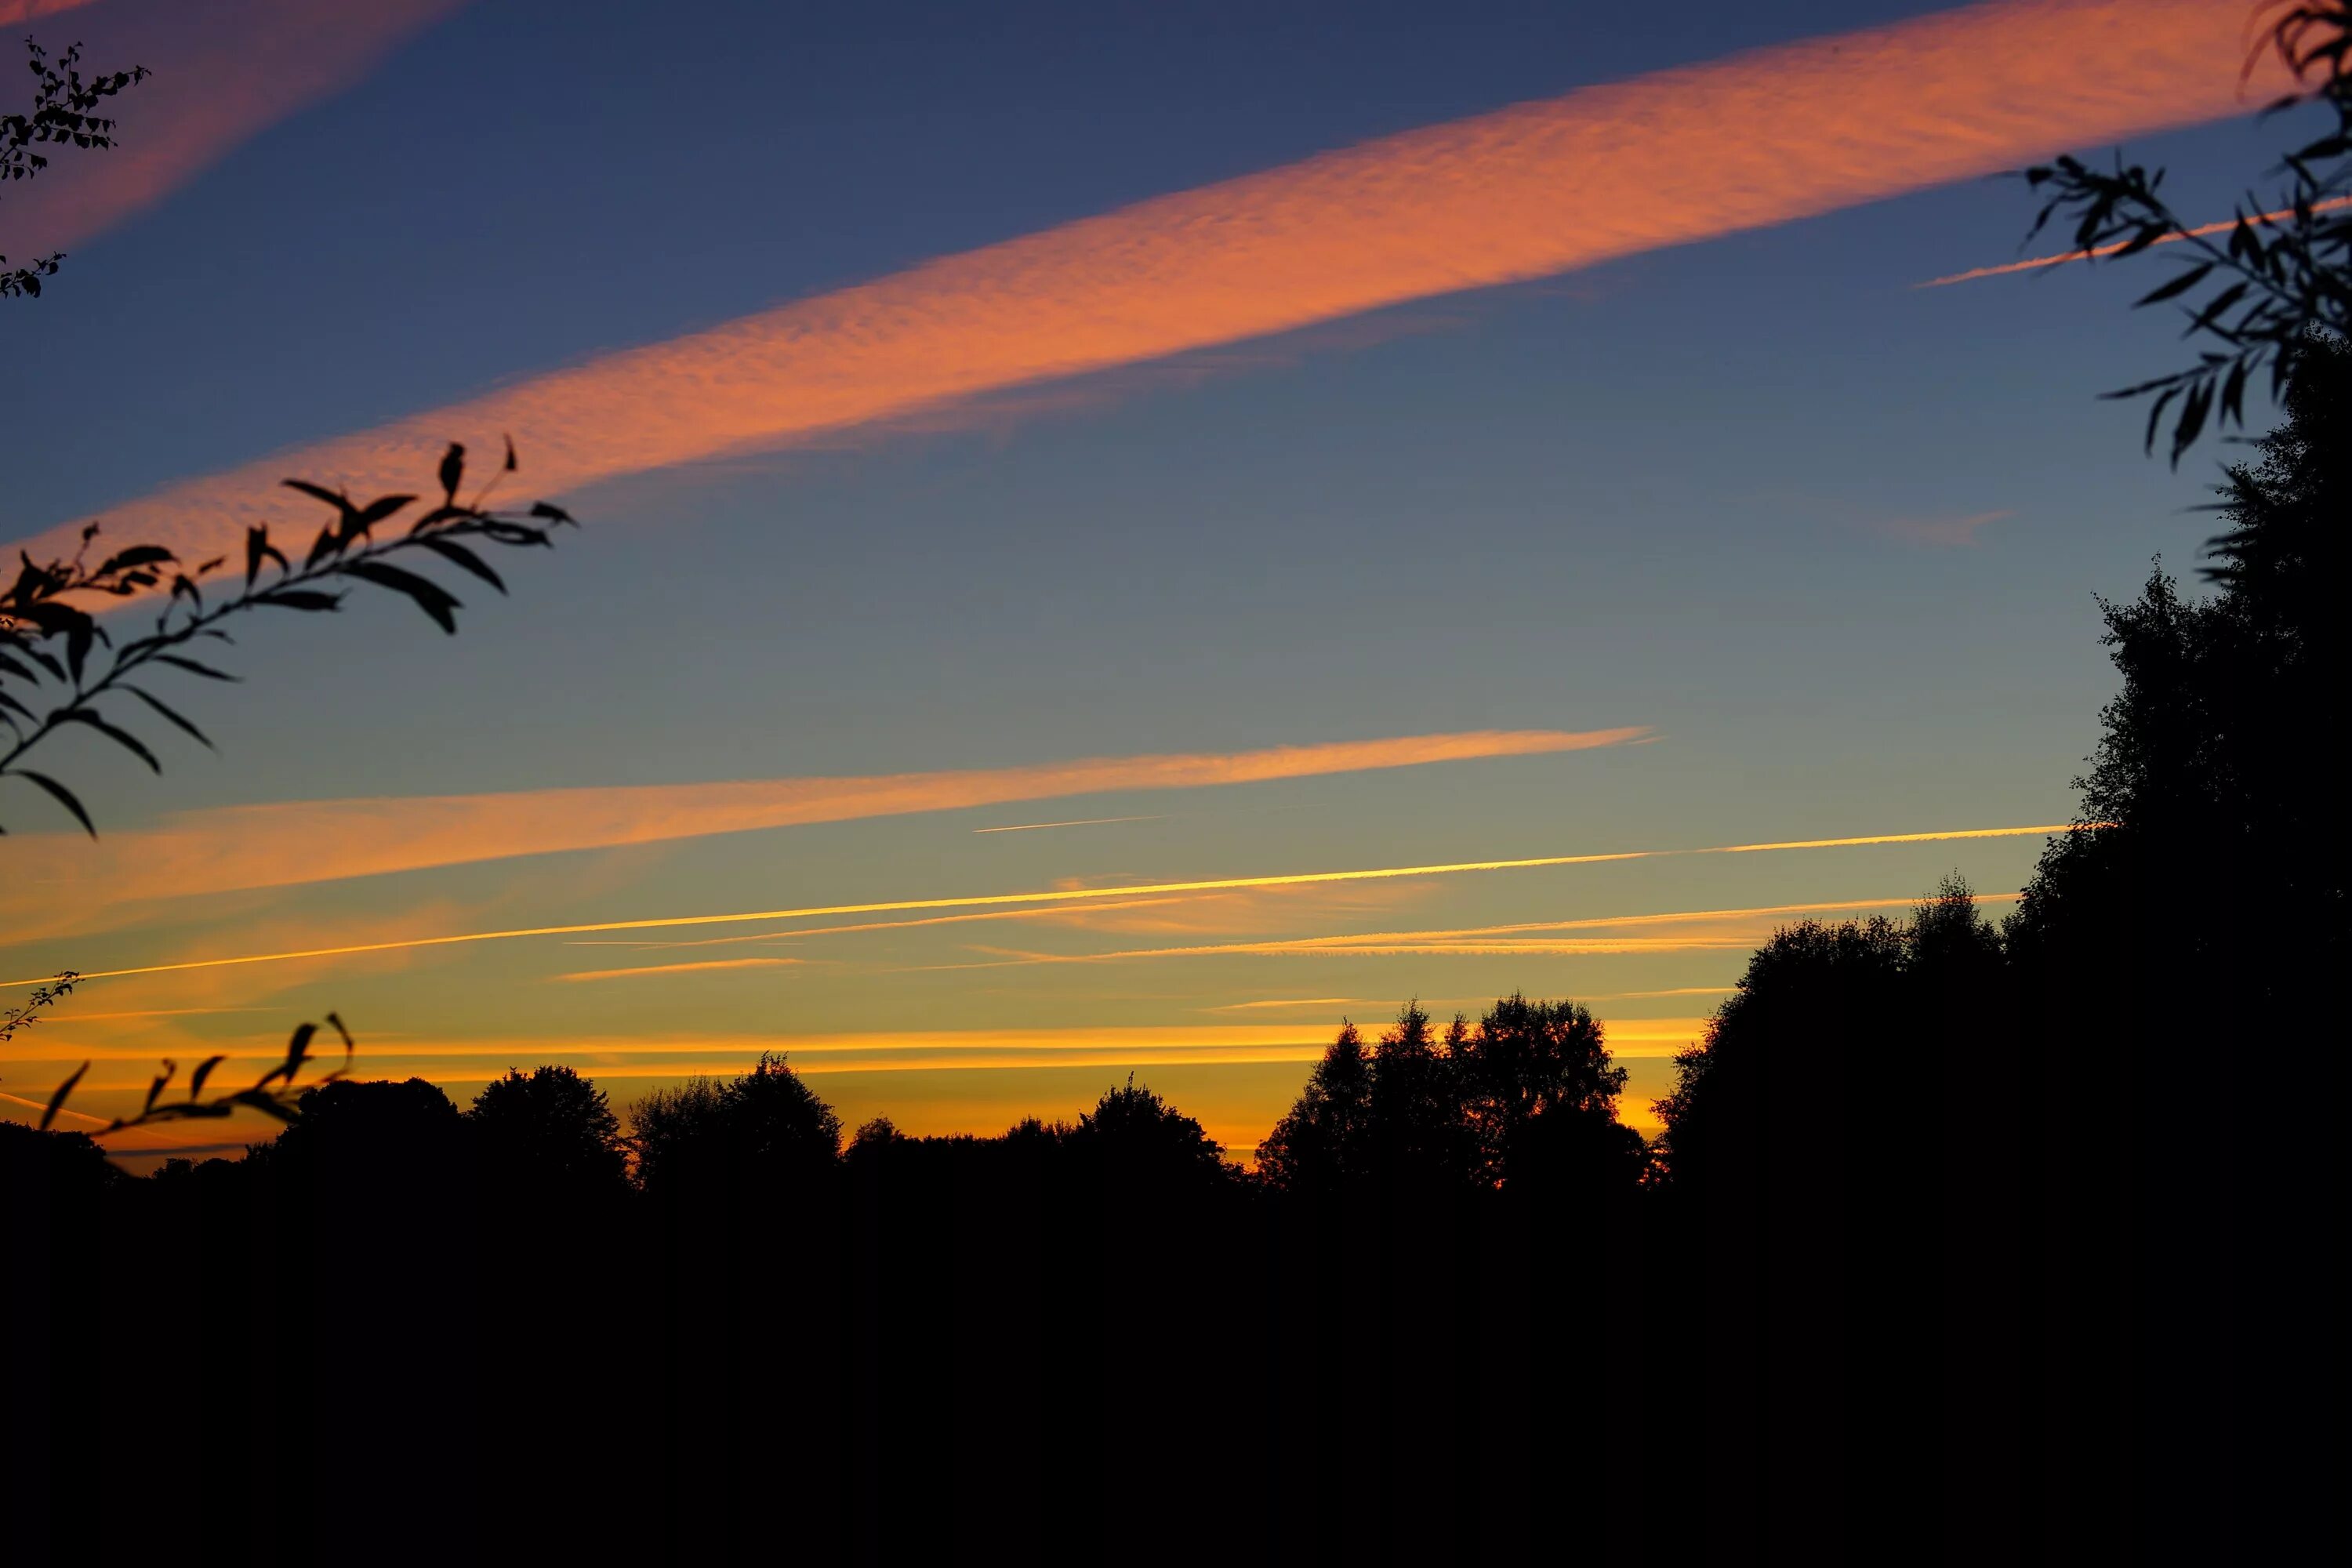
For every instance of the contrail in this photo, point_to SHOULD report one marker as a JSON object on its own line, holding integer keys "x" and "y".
{"x": 57, "y": 883}
{"x": 1467, "y": 939}
{"x": 1073, "y": 822}
{"x": 1061, "y": 896}
{"x": 1671, "y": 158}
{"x": 2202, "y": 229}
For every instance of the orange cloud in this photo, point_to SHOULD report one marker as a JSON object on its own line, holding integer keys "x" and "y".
{"x": 1057, "y": 895}
{"x": 1672, "y": 158}
{"x": 14, "y": 11}
{"x": 59, "y": 879}
{"x": 223, "y": 72}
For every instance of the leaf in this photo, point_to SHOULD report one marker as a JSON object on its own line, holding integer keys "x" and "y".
{"x": 297, "y": 1051}
{"x": 258, "y": 549}
{"x": 156, "y": 1087}
{"x": 552, "y": 513}
{"x": 510, "y": 456}
{"x": 194, "y": 667}
{"x": 62, "y": 795}
{"x": 430, "y": 596}
{"x": 2177, "y": 286}
{"x": 299, "y": 599}
{"x": 137, "y": 555}
{"x": 201, "y": 738}
{"x": 453, "y": 472}
{"x": 450, "y": 550}
{"x": 203, "y": 1071}
{"x": 335, "y": 499}
{"x": 376, "y": 510}
{"x": 58, "y": 1101}
{"x": 123, "y": 738}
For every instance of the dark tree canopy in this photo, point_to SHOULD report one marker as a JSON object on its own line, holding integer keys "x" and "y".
{"x": 764, "y": 1128}
{"x": 549, "y": 1131}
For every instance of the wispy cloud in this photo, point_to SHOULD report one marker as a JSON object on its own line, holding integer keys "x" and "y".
{"x": 703, "y": 966}
{"x": 1939, "y": 533}
{"x": 1677, "y": 156}
{"x": 61, "y": 882}
{"x": 1063, "y": 895}
{"x": 223, "y": 72}
{"x": 1073, "y": 821}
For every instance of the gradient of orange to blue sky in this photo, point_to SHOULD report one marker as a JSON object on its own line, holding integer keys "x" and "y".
{"x": 1114, "y": 540}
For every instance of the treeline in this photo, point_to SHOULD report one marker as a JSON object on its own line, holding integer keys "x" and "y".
{"x": 1960, "y": 1241}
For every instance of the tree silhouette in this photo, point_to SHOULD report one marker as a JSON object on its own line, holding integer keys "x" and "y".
{"x": 1323, "y": 1142}
{"x": 549, "y": 1135}
{"x": 1419, "y": 1138}
{"x": 1526, "y": 1061}
{"x": 1137, "y": 1139}
{"x": 764, "y": 1128}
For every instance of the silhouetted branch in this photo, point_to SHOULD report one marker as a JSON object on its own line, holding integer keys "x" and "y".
{"x": 2285, "y": 269}
{"x": 62, "y": 101}
{"x": 46, "y": 642}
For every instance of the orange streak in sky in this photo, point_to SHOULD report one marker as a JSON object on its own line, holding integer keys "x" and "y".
{"x": 1671, "y": 158}
{"x": 14, "y": 11}
{"x": 698, "y": 967}
{"x": 1059, "y": 896}
{"x": 54, "y": 877}
{"x": 2202, "y": 229}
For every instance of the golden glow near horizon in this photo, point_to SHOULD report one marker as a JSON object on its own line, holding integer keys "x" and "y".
{"x": 1671, "y": 158}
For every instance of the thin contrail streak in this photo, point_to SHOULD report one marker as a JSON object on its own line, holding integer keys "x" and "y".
{"x": 1073, "y": 822}
{"x": 2200, "y": 232}
{"x": 1675, "y": 157}
{"x": 1460, "y": 939}
{"x": 1059, "y": 895}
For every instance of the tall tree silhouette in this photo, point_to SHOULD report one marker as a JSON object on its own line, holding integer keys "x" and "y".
{"x": 762, "y": 1129}
{"x": 549, "y": 1136}
{"x": 1323, "y": 1142}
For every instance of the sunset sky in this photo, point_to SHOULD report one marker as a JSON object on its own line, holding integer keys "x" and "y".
{"x": 1068, "y": 490}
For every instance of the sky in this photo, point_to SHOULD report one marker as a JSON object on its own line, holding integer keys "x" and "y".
{"x": 1066, "y": 493}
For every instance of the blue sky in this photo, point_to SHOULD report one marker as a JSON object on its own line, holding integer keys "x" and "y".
{"x": 1833, "y": 538}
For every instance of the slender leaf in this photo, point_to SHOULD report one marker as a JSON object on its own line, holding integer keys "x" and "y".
{"x": 450, "y": 550}
{"x": 430, "y": 596}
{"x": 62, "y": 795}
{"x": 203, "y": 1071}
{"x": 121, "y": 737}
{"x": 156, "y": 703}
{"x": 58, "y": 1101}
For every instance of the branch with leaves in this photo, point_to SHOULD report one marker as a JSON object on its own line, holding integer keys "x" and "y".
{"x": 43, "y": 998}
{"x": 54, "y": 675}
{"x": 63, "y": 99}
{"x": 274, "y": 1095}
{"x": 2281, "y": 274}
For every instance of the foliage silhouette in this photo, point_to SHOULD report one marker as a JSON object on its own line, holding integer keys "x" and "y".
{"x": 48, "y": 639}
{"x": 2279, "y": 282}
{"x": 549, "y": 1136}
{"x": 61, "y": 116}
{"x": 762, "y": 1129}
